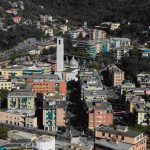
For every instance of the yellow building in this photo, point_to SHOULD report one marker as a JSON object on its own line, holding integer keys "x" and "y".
{"x": 10, "y": 72}
{"x": 115, "y": 26}
{"x": 64, "y": 28}
{"x": 5, "y": 84}
{"x": 133, "y": 101}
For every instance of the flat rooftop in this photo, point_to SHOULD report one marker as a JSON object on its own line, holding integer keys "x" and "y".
{"x": 20, "y": 93}
{"x": 24, "y": 112}
{"x": 122, "y": 130}
{"x": 40, "y": 76}
{"x": 96, "y": 93}
{"x": 25, "y": 135}
{"x": 113, "y": 145}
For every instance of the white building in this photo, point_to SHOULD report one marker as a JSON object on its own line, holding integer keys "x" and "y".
{"x": 45, "y": 142}
{"x": 60, "y": 54}
{"x": 74, "y": 34}
{"x": 71, "y": 73}
{"x": 120, "y": 52}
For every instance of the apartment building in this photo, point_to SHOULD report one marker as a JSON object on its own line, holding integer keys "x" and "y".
{"x": 119, "y": 53}
{"x": 74, "y": 34}
{"x": 132, "y": 102}
{"x": 91, "y": 84}
{"x": 87, "y": 46}
{"x": 88, "y": 74}
{"x": 33, "y": 70}
{"x": 95, "y": 34}
{"x": 11, "y": 72}
{"x": 47, "y": 67}
{"x": 93, "y": 47}
{"x": 119, "y": 136}
{"x": 116, "y": 75}
{"x": 54, "y": 114}
{"x": 104, "y": 45}
{"x": 49, "y": 86}
{"x": 120, "y": 42}
{"x": 5, "y": 84}
{"x": 20, "y": 100}
{"x": 18, "y": 117}
{"x": 30, "y": 78}
{"x": 45, "y": 18}
{"x": 127, "y": 87}
{"x": 99, "y": 113}
{"x": 143, "y": 113}
{"x": 143, "y": 80}
{"x": 91, "y": 95}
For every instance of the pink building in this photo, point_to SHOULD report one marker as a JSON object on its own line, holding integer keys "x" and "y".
{"x": 116, "y": 75}
{"x": 99, "y": 114}
{"x": 16, "y": 19}
{"x": 95, "y": 34}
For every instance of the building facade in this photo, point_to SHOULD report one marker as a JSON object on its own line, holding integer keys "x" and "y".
{"x": 95, "y": 34}
{"x": 5, "y": 84}
{"x": 22, "y": 118}
{"x": 116, "y": 75}
{"x": 54, "y": 115}
{"x": 100, "y": 114}
{"x": 11, "y": 72}
{"x": 55, "y": 87}
{"x": 121, "y": 134}
{"x": 20, "y": 100}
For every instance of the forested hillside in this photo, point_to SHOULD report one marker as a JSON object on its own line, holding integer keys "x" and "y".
{"x": 96, "y": 11}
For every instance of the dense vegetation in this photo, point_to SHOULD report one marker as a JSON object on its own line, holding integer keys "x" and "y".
{"x": 134, "y": 64}
{"x": 95, "y": 11}
{"x": 14, "y": 36}
{"x": 3, "y": 132}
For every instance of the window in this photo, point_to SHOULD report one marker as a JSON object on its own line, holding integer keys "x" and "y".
{"x": 109, "y": 135}
{"x": 103, "y": 134}
{"x": 122, "y": 138}
{"x": 59, "y": 42}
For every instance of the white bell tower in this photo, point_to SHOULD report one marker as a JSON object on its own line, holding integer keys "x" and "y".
{"x": 60, "y": 54}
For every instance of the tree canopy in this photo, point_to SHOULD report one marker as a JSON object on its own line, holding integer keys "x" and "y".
{"x": 95, "y": 11}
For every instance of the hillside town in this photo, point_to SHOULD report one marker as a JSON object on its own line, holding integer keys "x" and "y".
{"x": 67, "y": 87}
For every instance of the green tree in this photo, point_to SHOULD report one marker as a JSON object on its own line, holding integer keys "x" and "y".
{"x": 13, "y": 56}
{"x": 3, "y": 97}
{"x": 134, "y": 53}
{"x": 3, "y": 132}
{"x": 96, "y": 65}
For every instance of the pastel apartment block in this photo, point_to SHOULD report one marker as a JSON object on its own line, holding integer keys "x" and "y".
{"x": 99, "y": 113}
{"x": 115, "y": 138}
{"x": 18, "y": 117}
{"x": 54, "y": 115}
{"x": 20, "y": 100}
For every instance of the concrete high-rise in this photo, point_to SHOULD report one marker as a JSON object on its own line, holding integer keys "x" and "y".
{"x": 60, "y": 54}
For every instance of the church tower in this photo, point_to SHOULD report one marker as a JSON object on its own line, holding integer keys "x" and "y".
{"x": 60, "y": 54}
